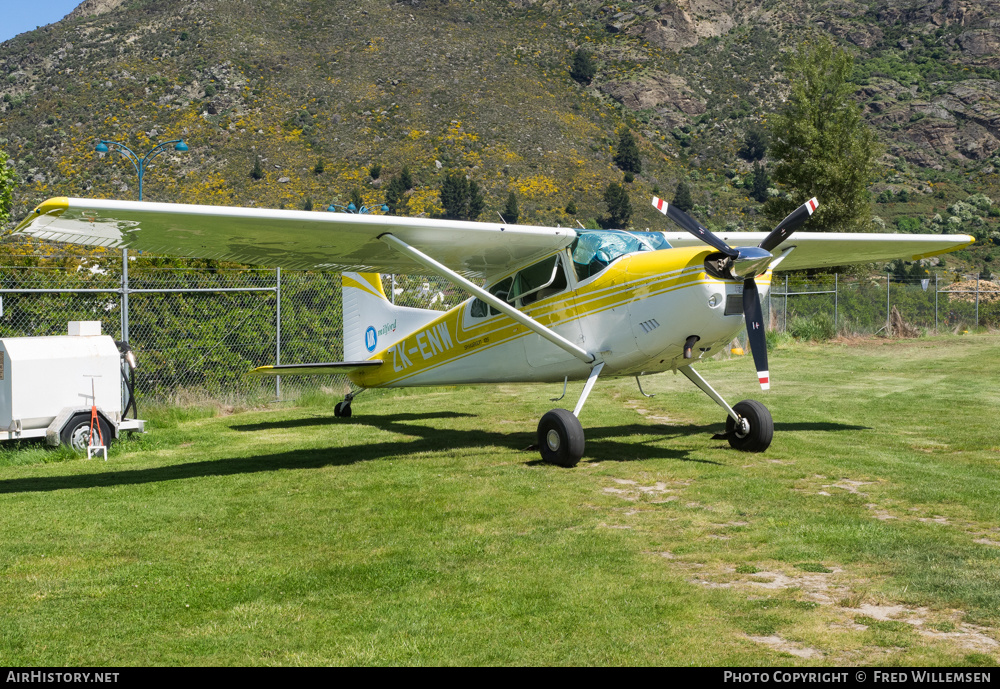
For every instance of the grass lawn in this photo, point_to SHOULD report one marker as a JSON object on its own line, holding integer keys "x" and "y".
{"x": 421, "y": 532}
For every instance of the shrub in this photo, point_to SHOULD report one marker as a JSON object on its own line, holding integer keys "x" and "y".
{"x": 395, "y": 196}
{"x": 257, "y": 172}
{"x": 319, "y": 167}
{"x": 406, "y": 178}
{"x": 754, "y": 145}
{"x": 813, "y": 328}
{"x": 583, "y": 69}
{"x": 619, "y": 206}
{"x": 682, "y": 197}
{"x": 627, "y": 157}
{"x": 375, "y": 171}
{"x": 511, "y": 212}
{"x": 461, "y": 197}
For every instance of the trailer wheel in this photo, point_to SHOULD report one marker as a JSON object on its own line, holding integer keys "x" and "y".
{"x": 76, "y": 433}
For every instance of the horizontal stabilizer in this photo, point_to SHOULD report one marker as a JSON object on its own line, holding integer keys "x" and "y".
{"x": 324, "y": 369}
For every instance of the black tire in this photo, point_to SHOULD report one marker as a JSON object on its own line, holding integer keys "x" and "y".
{"x": 342, "y": 410}
{"x": 76, "y": 433}
{"x": 560, "y": 438}
{"x": 761, "y": 431}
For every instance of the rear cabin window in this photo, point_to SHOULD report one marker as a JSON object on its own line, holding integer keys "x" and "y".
{"x": 538, "y": 281}
{"x": 593, "y": 250}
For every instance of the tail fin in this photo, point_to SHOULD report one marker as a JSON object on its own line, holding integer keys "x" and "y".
{"x": 371, "y": 321}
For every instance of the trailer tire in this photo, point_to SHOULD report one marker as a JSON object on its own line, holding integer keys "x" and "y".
{"x": 76, "y": 433}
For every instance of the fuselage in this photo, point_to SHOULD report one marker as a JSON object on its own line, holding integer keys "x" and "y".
{"x": 634, "y": 315}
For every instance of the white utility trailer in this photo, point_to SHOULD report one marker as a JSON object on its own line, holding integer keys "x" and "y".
{"x": 51, "y": 386}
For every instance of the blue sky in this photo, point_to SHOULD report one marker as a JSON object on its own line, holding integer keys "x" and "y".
{"x": 18, "y": 16}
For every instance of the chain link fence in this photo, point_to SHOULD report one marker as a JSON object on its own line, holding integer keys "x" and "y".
{"x": 831, "y": 305}
{"x": 197, "y": 331}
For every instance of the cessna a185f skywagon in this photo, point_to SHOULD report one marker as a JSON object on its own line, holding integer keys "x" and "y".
{"x": 557, "y": 304}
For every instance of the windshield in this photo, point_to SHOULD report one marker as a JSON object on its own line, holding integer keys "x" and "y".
{"x": 595, "y": 249}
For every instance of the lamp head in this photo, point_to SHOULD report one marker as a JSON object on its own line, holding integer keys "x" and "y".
{"x": 181, "y": 146}
{"x": 352, "y": 208}
{"x": 101, "y": 147}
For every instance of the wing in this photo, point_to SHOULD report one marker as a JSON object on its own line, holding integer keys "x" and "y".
{"x": 827, "y": 249}
{"x": 301, "y": 240}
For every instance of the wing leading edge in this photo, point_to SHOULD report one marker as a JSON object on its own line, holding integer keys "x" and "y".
{"x": 306, "y": 240}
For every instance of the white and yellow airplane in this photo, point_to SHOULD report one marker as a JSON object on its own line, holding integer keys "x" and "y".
{"x": 557, "y": 304}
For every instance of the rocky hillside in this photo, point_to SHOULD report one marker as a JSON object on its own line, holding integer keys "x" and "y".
{"x": 482, "y": 86}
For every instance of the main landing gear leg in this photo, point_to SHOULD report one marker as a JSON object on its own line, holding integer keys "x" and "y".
{"x": 560, "y": 435}
{"x": 748, "y": 423}
{"x": 343, "y": 409}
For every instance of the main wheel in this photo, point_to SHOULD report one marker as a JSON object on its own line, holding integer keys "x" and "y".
{"x": 756, "y": 435}
{"x": 343, "y": 409}
{"x": 560, "y": 438}
{"x": 76, "y": 433}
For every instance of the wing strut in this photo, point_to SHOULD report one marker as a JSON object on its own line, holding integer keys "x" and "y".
{"x": 500, "y": 305}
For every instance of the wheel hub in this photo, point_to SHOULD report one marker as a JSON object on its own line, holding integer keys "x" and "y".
{"x": 552, "y": 439}
{"x": 80, "y": 438}
{"x": 742, "y": 429}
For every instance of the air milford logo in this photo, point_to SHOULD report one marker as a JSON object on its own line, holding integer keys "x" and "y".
{"x": 372, "y": 335}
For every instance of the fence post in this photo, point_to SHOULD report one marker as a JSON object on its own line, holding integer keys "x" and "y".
{"x": 277, "y": 338}
{"x": 836, "y": 300}
{"x": 935, "y": 303}
{"x": 888, "y": 282}
{"x": 977, "y": 300}
{"x": 124, "y": 299}
{"x": 784, "y": 318}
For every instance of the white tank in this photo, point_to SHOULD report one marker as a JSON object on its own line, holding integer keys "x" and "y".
{"x": 40, "y": 376}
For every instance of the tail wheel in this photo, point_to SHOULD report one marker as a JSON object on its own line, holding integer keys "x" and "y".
{"x": 560, "y": 438}
{"x": 755, "y": 430}
{"x": 342, "y": 410}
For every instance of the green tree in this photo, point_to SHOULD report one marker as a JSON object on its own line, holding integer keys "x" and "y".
{"x": 821, "y": 145}
{"x": 583, "y": 68}
{"x": 8, "y": 180}
{"x": 682, "y": 197}
{"x": 356, "y": 199}
{"x": 375, "y": 171}
{"x": 257, "y": 172}
{"x": 754, "y": 145}
{"x": 308, "y": 205}
{"x": 627, "y": 157}
{"x": 319, "y": 167}
{"x": 461, "y": 197}
{"x": 406, "y": 178}
{"x": 510, "y": 211}
{"x": 395, "y": 195}
{"x": 619, "y": 206}
{"x": 759, "y": 182}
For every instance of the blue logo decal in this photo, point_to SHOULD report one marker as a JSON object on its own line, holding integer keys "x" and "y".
{"x": 370, "y": 339}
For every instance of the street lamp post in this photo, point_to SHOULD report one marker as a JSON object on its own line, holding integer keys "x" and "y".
{"x": 140, "y": 164}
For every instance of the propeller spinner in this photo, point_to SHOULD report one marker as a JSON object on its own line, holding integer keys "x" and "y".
{"x": 744, "y": 263}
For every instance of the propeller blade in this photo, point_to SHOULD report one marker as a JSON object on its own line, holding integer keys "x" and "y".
{"x": 794, "y": 221}
{"x": 755, "y": 331}
{"x": 694, "y": 227}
